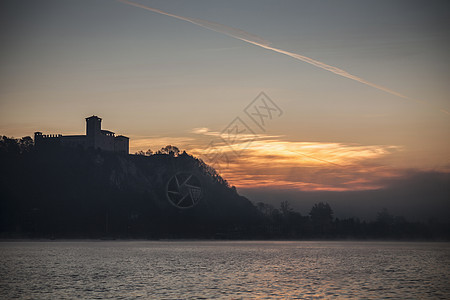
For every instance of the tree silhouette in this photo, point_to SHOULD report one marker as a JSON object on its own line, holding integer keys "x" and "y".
{"x": 16, "y": 146}
{"x": 322, "y": 218}
{"x": 384, "y": 217}
{"x": 149, "y": 152}
{"x": 26, "y": 144}
{"x": 170, "y": 150}
{"x": 286, "y": 208}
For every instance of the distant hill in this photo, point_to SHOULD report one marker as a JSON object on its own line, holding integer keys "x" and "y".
{"x": 58, "y": 192}
{"x": 73, "y": 192}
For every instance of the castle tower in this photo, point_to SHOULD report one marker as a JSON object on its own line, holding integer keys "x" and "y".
{"x": 37, "y": 138}
{"x": 93, "y": 126}
{"x": 93, "y": 131}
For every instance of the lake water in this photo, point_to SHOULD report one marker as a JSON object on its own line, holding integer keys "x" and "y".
{"x": 229, "y": 270}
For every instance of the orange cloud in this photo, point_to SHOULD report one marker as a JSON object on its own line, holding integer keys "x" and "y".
{"x": 314, "y": 166}
{"x": 272, "y": 161}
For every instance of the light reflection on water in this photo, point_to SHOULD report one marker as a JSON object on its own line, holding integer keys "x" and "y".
{"x": 174, "y": 270}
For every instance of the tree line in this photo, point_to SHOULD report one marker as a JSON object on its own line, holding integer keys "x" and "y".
{"x": 320, "y": 223}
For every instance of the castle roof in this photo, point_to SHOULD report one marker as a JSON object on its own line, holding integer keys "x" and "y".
{"x": 93, "y": 117}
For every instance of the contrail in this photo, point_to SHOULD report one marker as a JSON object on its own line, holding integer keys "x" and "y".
{"x": 230, "y": 31}
{"x": 257, "y": 41}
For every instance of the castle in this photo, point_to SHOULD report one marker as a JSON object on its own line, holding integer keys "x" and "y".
{"x": 95, "y": 138}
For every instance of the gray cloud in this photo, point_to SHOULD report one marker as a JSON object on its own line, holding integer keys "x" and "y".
{"x": 416, "y": 196}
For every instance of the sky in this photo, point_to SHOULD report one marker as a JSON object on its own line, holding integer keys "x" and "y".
{"x": 356, "y": 92}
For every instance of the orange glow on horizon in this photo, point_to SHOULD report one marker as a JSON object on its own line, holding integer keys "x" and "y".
{"x": 310, "y": 166}
{"x": 273, "y": 162}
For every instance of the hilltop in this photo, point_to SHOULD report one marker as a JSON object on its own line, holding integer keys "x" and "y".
{"x": 76, "y": 192}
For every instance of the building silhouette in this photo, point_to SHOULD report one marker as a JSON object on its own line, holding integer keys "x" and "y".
{"x": 95, "y": 138}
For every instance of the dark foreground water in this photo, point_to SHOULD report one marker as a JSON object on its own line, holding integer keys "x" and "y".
{"x": 180, "y": 270}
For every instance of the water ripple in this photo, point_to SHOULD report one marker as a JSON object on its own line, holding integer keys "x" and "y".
{"x": 228, "y": 270}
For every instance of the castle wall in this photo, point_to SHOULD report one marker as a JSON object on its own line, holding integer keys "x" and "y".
{"x": 74, "y": 140}
{"x": 121, "y": 144}
{"x": 104, "y": 142}
{"x": 46, "y": 140}
{"x": 94, "y": 138}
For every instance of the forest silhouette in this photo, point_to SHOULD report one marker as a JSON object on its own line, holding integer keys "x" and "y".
{"x": 63, "y": 192}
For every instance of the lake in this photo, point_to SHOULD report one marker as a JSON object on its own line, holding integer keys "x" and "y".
{"x": 223, "y": 269}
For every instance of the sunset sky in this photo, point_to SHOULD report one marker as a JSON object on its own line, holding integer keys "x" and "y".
{"x": 161, "y": 80}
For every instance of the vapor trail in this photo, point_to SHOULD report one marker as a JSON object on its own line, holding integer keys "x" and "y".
{"x": 230, "y": 31}
{"x": 257, "y": 41}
